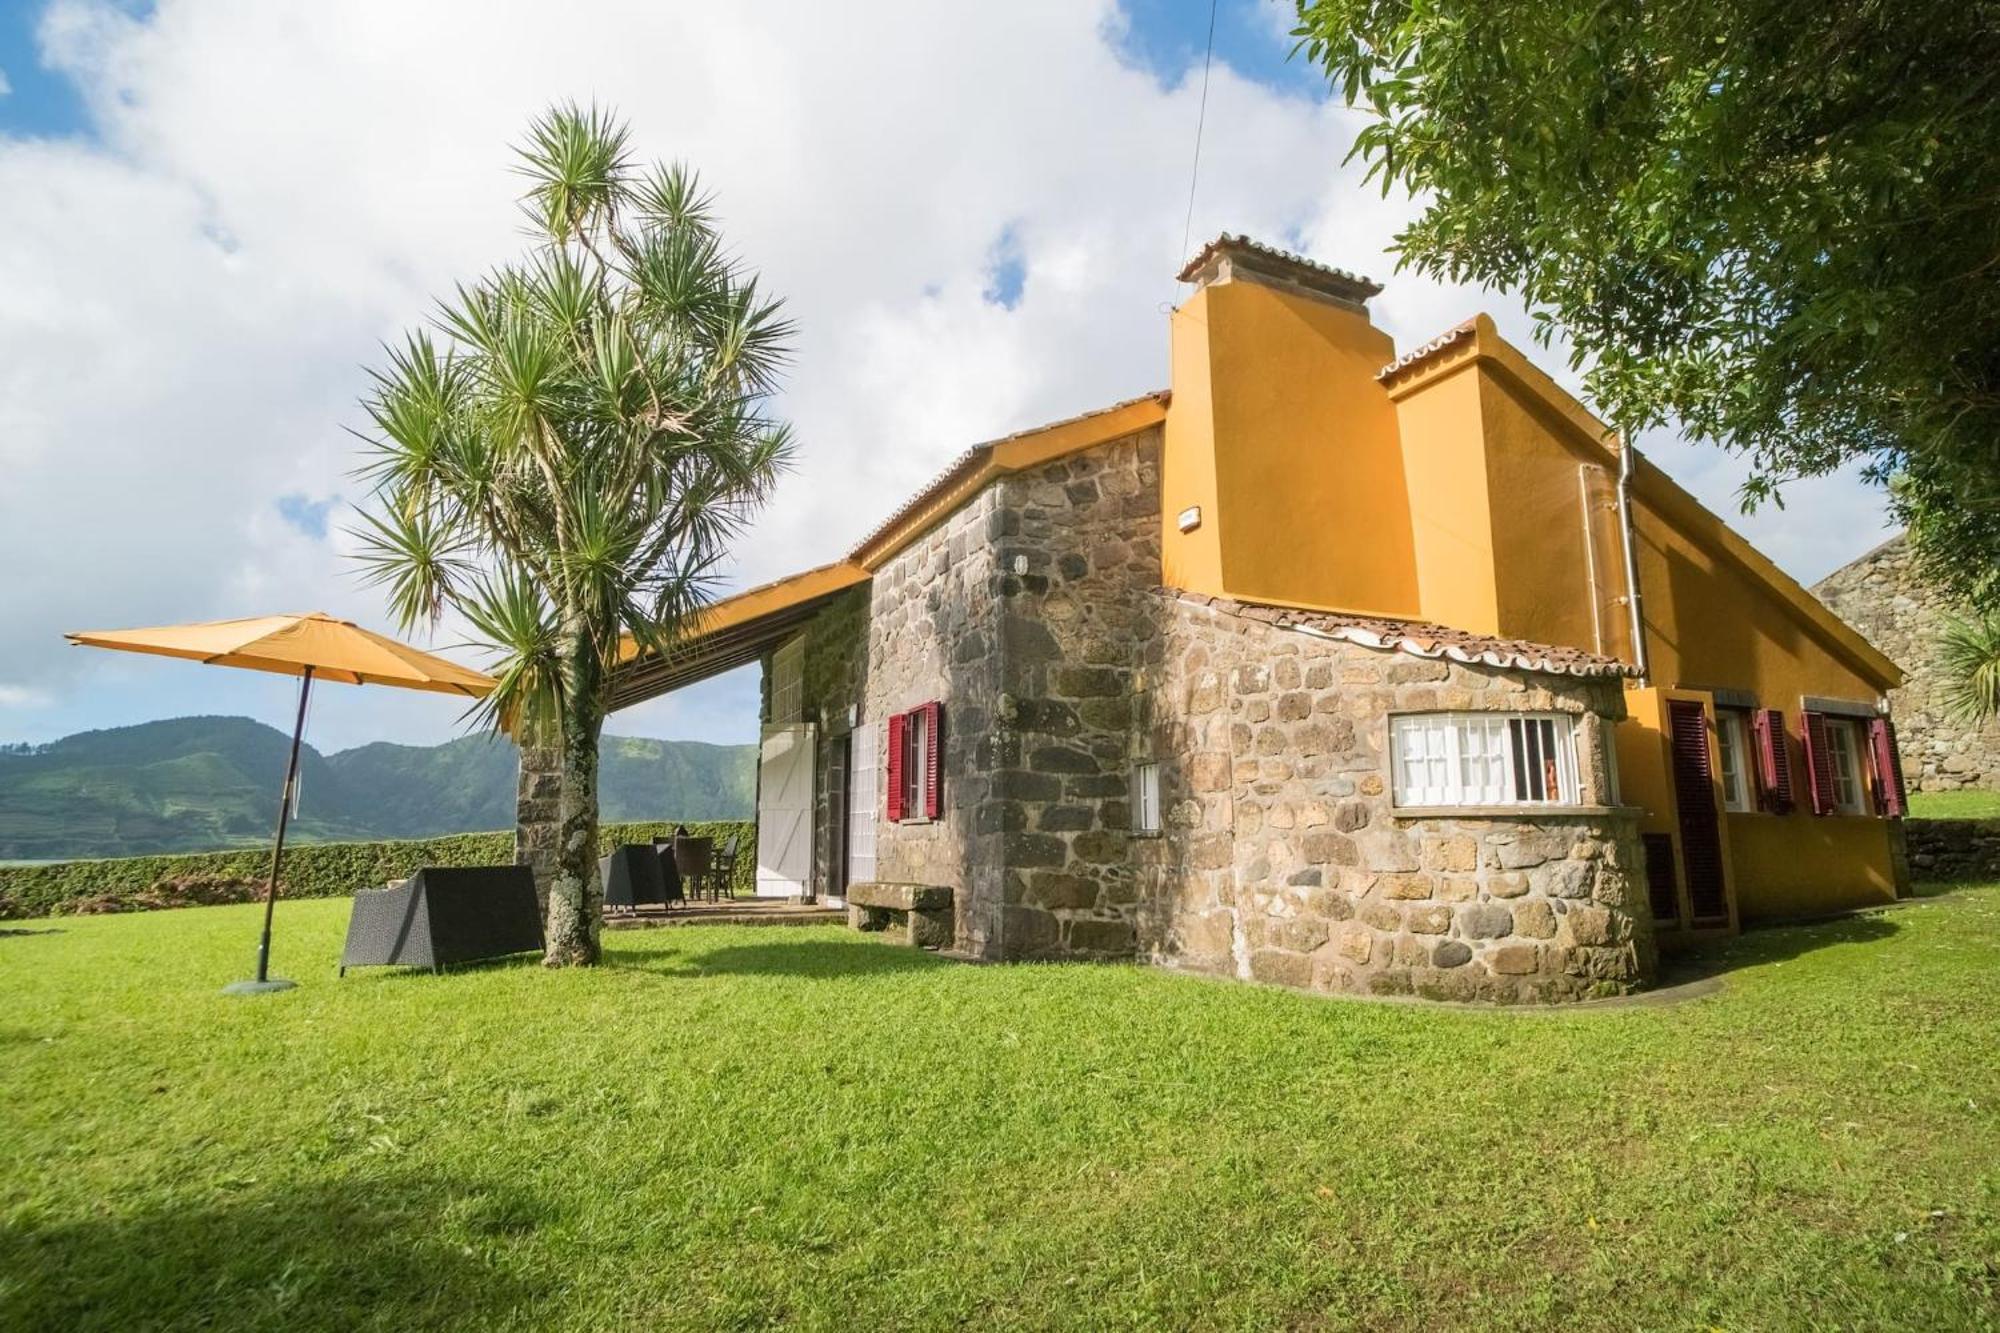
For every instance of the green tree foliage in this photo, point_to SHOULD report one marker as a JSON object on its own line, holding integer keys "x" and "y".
{"x": 568, "y": 459}
{"x": 1777, "y": 224}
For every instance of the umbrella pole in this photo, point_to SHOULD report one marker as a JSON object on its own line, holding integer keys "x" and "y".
{"x": 264, "y": 981}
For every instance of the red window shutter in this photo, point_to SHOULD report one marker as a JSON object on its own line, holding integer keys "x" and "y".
{"x": 1890, "y": 798}
{"x": 933, "y": 770}
{"x": 1819, "y": 761}
{"x": 1694, "y": 799}
{"x": 897, "y": 726}
{"x": 1774, "y": 761}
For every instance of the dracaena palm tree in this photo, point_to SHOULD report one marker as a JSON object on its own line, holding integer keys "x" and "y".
{"x": 564, "y": 456}
{"x": 1971, "y": 652}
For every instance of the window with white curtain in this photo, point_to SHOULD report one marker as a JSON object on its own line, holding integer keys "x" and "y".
{"x": 1146, "y": 798}
{"x": 1846, "y": 750}
{"x": 1731, "y": 743}
{"x": 1446, "y": 759}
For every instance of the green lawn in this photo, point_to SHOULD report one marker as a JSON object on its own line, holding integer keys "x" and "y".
{"x": 741, "y": 1127}
{"x": 1955, "y": 805}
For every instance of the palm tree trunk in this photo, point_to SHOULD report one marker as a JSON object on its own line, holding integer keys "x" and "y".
{"x": 576, "y": 893}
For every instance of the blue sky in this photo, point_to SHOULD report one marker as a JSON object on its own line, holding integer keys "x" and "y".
{"x": 38, "y": 101}
{"x": 219, "y": 210}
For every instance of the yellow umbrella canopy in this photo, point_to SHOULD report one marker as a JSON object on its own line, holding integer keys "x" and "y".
{"x": 315, "y": 646}
{"x": 331, "y": 648}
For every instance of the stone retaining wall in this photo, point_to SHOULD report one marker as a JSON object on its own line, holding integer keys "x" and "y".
{"x": 1883, "y": 597}
{"x": 1953, "y": 848}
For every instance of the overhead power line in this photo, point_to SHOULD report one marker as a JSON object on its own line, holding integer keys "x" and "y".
{"x": 1201, "y": 121}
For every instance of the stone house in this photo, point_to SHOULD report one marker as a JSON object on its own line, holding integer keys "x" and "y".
{"x": 1885, "y": 597}
{"x": 1326, "y": 667}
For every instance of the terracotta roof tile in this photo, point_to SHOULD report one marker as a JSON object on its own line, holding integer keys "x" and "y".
{"x": 1422, "y": 639}
{"x": 1357, "y": 287}
{"x": 1424, "y": 351}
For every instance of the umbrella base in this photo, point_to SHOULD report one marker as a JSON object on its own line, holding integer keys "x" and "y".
{"x": 258, "y": 987}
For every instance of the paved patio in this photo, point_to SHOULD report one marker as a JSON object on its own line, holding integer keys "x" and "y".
{"x": 739, "y": 912}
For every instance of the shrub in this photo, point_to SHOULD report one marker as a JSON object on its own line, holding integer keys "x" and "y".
{"x": 312, "y": 870}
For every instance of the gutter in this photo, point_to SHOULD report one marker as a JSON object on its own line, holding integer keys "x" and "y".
{"x": 1628, "y": 464}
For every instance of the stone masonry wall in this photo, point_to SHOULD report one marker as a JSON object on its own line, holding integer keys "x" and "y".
{"x": 1027, "y": 613}
{"x": 1954, "y": 848}
{"x": 1079, "y": 554}
{"x": 923, "y": 629}
{"x": 1284, "y": 862}
{"x": 932, "y": 635}
{"x": 1883, "y": 597}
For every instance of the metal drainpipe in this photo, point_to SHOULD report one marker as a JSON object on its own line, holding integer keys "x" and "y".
{"x": 1628, "y": 463}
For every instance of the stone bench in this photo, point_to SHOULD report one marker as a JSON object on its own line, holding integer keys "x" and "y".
{"x": 917, "y": 914}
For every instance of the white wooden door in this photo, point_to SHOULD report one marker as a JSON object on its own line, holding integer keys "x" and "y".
{"x": 785, "y": 811}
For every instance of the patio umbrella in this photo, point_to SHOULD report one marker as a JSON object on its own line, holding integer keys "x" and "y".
{"x": 312, "y": 647}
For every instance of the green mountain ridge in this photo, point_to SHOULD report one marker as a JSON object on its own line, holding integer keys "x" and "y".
{"x": 206, "y": 783}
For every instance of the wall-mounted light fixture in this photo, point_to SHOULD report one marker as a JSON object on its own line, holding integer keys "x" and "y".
{"x": 1190, "y": 518}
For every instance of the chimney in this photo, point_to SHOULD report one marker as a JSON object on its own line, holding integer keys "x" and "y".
{"x": 1281, "y": 473}
{"x": 1239, "y": 259}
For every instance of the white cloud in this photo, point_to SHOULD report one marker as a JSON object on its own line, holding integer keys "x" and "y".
{"x": 187, "y": 304}
{"x": 16, "y": 696}
{"x": 5, "y": 87}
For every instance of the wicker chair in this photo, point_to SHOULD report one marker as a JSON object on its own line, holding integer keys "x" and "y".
{"x": 693, "y": 857}
{"x": 633, "y": 879}
{"x": 441, "y": 915}
{"x": 724, "y": 866}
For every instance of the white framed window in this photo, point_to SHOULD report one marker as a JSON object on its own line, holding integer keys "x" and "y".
{"x": 1146, "y": 798}
{"x": 1446, "y": 759}
{"x": 1842, "y": 744}
{"x": 788, "y": 680}
{"x": 862, "y": 757}
{"x": 916, "y": 752}
{"x": 1732, "y": 741}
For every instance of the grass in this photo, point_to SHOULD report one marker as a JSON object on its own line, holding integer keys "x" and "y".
{"x": 1955, "y": 805}
{"x": 736, "y": 1127}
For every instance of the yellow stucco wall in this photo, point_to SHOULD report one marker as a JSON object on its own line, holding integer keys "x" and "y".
{"x": 1193, "y": 559}
{"x": 1301, "y": 481}
{"x": 1451, "y": 504}
{"x": 1712, "y": 624}
{"x": 1547, "y": 540}
{"x": 1506, "y": 534}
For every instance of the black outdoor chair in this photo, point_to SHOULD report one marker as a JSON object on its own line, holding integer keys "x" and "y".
{"x": 724, "y": 867}
{"x": 692, "y": 857}
{"x": 445, "y": 914}
{"x": 633, "y": 879}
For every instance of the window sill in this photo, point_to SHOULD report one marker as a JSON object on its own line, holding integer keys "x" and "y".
{"x": 1511, "y": 811}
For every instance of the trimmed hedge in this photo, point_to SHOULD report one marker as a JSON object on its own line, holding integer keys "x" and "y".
{"x": 317, "y": 869}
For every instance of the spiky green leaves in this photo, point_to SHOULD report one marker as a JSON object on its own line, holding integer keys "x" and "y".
{"x": 1970, "y": 653}
{"x": 576, "y": 159}
{"x": 574, "y": 449}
